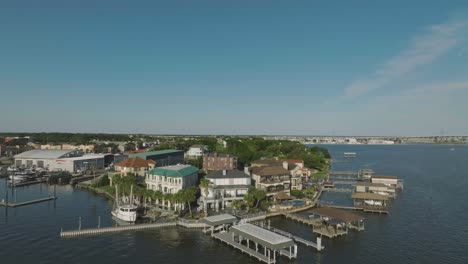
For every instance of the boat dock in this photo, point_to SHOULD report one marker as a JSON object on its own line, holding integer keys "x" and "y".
{"x": 104, "y": 230}
{"x": 136, "y": 227}
{"x": 295, "y": 238}
{"x": 339, "y": 190}
{"x": 8, "y": 204}
{"x": 257, "y": 242}
{"x": 26, "y": 183}
{"x": 226, "y": 238}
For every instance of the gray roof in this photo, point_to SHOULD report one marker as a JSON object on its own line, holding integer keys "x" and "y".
{"x": 262, "y": 236}
{"x": 370, "y": 184}
{"x": 44, "y": 154}
{"x": 229, "y": 174}
{"x": 219, "y": 219}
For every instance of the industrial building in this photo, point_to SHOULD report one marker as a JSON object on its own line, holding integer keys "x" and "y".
{"x": 65, "y": 160}
{"x": 162, "y": 157}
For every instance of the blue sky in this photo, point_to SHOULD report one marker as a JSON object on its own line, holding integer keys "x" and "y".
{"x": 235, "y": 67}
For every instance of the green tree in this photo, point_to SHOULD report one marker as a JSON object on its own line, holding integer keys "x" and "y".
{"x": 297, "y": 193}
{"x": 189, "y": 196}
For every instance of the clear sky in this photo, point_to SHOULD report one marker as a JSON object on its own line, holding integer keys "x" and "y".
{"x": 235, "y": 67}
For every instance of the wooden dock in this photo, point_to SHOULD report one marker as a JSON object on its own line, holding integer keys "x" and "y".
{"x": 348, "y": 173}
{"x": 364, "y": 209}
{"x": 293, "y": 237}
{"x": 303, "y": 220}
{"x": 8, "y": 204}
{"x": 339, "y": 190}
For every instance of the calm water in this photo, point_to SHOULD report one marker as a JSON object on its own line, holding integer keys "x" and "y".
{"x": 428, "y": 223}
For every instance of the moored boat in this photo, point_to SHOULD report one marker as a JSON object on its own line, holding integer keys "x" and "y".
{"x": 125, "y": 212}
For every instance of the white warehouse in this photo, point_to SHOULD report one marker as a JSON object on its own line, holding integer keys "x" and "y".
{"x": 65, "y": 160}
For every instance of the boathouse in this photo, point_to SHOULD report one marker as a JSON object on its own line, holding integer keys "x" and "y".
{"x": 391, "y": 181}
{"x": 255, "y": 241}
{"x": 219, "y": 222}
{"x": 370, "y": 187}
{"x": 370, "y": 202}
{"x": 335, "y": 222}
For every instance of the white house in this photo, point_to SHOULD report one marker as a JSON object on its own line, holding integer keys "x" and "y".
{"x": 226, "y": 186}
{"x": 171, "y": 179}
{"x": 196, "y": 151}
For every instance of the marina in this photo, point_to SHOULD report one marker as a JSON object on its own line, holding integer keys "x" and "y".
{"x": 170, "y": 240}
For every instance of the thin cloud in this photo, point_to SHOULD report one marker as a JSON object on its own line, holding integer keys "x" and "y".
{"x": 423, "y": 49}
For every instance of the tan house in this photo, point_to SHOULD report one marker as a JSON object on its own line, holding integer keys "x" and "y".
{"x": 136, "y": 165}
{"x": 271, "y": 179}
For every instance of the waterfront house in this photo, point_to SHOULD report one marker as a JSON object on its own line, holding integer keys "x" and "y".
{"x": 136, "y": 166}
{"x": 226, "y": 186}
{"x": 215, "y": 161}
{"x": 196, "y": 151}
{"x": 271, "y": 179}
{"x": 171, "y": 179}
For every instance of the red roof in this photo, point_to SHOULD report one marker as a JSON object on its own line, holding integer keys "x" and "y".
{"x": 136, "y": 162}
{"x": 136, "y": 151}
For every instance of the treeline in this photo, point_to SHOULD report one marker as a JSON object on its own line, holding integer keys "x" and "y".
{"x": 77, "y": 138}
{"x": 251, "y": 149}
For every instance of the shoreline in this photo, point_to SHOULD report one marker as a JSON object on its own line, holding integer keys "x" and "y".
{"x": 96, "y": 191}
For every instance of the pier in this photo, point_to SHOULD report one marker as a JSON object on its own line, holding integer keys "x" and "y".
{"x": 105, "y": 230}
{"x": 339, "y": 190}
{"x": 253, "y": 240}
{"x": 26, "y": 183}
{"x": 8, "y": 204}
{"x": 297, "y": 239}
{"x": 346, "y": 173}
{"x": 135, "y": 227}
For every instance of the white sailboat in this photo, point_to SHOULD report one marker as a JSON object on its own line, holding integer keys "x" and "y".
{"x": 125, "y": 212}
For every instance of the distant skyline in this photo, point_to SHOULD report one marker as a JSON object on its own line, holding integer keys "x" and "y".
{"x": 371, "y": 68}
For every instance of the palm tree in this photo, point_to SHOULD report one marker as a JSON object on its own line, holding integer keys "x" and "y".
{"x": 205, "y": 184}
{"x": 169, "y": 198}
{"x": 189, "y": 196}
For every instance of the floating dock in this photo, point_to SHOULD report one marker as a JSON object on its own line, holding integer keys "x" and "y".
{"x": 26, "y": 183}
{"x": 8, "y": 204}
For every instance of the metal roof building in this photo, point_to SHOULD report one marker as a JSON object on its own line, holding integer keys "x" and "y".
{"x": 162, "y": 157}
{"x": 49, "y": 154}
{"x": 65, "y": 160}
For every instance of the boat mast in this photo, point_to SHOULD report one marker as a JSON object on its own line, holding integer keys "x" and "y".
{"x": 117, "y": 195}
{"x": 131, "y": 194}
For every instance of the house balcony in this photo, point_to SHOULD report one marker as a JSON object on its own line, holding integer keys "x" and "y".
{"x": 274, "y": 180}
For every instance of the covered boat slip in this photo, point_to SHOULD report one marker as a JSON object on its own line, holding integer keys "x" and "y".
{"x": 260, "y": 243}
{"x": 370, "y": 202}
{"x": 218, "y": 222}
{"x": 335, "y": 222}
{"x": 378, "y": 188}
